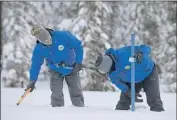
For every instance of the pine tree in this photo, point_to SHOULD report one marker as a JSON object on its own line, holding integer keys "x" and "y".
{"x": 153, "y": 24}
{"x": 99, "y": 25}
{"x": 95, "y": 44}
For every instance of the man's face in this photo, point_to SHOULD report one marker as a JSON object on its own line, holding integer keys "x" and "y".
{"x": 48, "y": 42}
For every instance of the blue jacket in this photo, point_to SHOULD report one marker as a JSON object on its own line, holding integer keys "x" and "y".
{"x": 122, "y": 72}
{"x": 65, "y": 48}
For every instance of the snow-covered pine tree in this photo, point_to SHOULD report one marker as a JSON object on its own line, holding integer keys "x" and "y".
{"x": 18, "y": 17}
{"x": 16, "y": 47}
{"x": 99, "y": 25}
{"x": 96, "y": 40}
{"x": 157, "y": 29}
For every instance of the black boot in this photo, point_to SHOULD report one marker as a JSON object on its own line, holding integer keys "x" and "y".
{"x": 157, "y": 109}
{"x": 122, "y": 106}
{"x": 57, "y": 105}
{"x": 124, "y": 102}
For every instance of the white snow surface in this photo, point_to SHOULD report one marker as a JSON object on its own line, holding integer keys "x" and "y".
{"x": 99, "y": 106}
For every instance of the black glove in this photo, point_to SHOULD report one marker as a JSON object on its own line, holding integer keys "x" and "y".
{"x": 138, "y": 57}
{"x": 77, "y": 68}
{"x": 31, "y": 85}
{"x": 128, "y": 93}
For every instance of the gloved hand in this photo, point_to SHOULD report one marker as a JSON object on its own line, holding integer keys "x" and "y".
{"x": 77, "y": 68}
{"x": 31, "y": 85}
{"x": 128, "y": 93}
{"x": 138, "y": 57}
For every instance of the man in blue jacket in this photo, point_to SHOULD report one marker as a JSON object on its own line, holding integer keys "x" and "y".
{"x": 115, "y": 63}
{"x": 63, "y": 53}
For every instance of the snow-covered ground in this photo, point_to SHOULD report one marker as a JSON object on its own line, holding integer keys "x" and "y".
{"x": 99, "y": 106}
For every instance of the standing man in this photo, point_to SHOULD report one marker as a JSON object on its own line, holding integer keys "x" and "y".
{"x": 116, "y": 64}
{"x": 64, "y": 54}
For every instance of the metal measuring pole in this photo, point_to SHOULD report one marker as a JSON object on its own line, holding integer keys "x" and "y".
{"x": 132, "y": 72}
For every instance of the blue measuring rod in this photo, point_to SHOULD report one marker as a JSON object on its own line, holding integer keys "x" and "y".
{"x": 132, "y": 60}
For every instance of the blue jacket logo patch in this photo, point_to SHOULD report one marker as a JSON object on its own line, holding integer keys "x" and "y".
{"x": 127, "y": 67}
{"x": 60, "y": 47}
